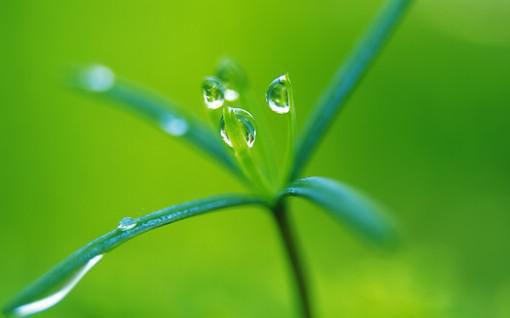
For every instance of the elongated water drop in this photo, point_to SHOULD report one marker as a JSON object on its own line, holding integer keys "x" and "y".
{"x": 278, "y": 95}
{"x": 54, "y": 298}
{"x": 97, "y": 78}
{"x": 126, "y": 223}
{"x": 248, "y": 127}
{"x": 213, "y": 92}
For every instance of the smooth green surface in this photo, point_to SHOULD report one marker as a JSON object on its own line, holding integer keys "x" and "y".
{"x": 425, "y": 133}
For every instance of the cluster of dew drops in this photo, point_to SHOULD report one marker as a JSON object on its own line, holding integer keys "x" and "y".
{"x": 219, "y": 93}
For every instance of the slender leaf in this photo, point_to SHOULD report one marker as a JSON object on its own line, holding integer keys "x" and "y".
{"x": 345, "y": 204}
{"x": 346, "y": 80}
{"x": 173, "y": 120}
{"x": 117, "y": 237}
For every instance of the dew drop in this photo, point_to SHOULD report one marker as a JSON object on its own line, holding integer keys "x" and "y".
{"x": 278, "y": 95}
{"x": 47, "y": 302}
{"x": 175, "y": 126}
{"x": 231, "y": 94}
{"x": 248, "y": 123}
{"x": 126, "y": 223}
{"x": 213, "y": 92}
{"x": 98, "y": 78}
{"x": 232, "y": 77}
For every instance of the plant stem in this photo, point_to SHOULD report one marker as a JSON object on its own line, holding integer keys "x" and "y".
{"x": 280, "y": 213}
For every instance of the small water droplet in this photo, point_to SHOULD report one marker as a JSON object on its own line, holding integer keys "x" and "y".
{"x": 278, "y": 95}
{"x": 98, "y": 78}
{"x": 248, "y": 122}
{"x": 231, "y": 94}
{"x": 47, "y": 302}
{"x": 232, "y": 77}
{"x": 213, "y": 92}
{"x": 175, "y": 126}
{"x": 126, "y": 223}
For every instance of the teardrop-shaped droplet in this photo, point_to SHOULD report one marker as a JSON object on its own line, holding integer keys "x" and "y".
{"x": 248, "y": 124}
{"x": 97, "y": 78}
{"x": 213, "y": 92}
{"x": 54, "y": 298}
{"x": 278, "y": 95}
{"x": 127, "y": 223}
{"x": 232, "y": 77}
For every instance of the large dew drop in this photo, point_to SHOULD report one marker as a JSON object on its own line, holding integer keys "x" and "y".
{"x": 97, "y": 78}
{"x": 213, "y": 92}
{"x": 53, "y": 299}
{"x": 248, "y": 123}
{"x": 278, "y": 95}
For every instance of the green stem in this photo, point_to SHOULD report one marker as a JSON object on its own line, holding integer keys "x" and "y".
{"x": 280, "y": 213}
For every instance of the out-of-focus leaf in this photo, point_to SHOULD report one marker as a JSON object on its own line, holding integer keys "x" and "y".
{"x": 345, "y": 81}
{"x": 346, "y": 205}
{"x": 173, "y": 120}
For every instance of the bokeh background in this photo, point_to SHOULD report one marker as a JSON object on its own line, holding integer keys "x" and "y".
{"x": 426, "y": 133}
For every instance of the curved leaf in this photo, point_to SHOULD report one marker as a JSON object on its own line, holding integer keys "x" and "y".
{"x": 171, "y": 119}
{"x": 117, "y": 237}
{"x": 345, "y": 81}
{"x": 345, "y": 204}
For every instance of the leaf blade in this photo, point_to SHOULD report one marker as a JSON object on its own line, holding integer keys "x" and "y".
{"x": 164, "y": 114}
{"x": 345, "y": 81}
{"x": 115, "y": 238}
{"x": 345, "y": 204}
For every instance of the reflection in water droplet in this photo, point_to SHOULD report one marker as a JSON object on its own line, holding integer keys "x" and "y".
{"x": 248, "y": 123}
{"x": 213, "y": 92}
{"x": 126, "y": 223}
{"x": 175, "y": 126}
{"x": 98, "y": 78}
{"x": 278, "y": 95}
{"x": 53, "y": 299}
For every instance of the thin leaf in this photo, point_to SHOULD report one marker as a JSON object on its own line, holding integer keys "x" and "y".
{"x": 111, "y": 240}
{"x": 173, "y": 120}
{"x": 346, "y": 80}
{"x": 345, "y": 204}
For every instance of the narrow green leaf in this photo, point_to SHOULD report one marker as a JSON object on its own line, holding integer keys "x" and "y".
{"x": 112, "y": 239}
{"x": 346, "y": 80}
{"x": 173, "y": 120}
{"x": 345, "y": 204}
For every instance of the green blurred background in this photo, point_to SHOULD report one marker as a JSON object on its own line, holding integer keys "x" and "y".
{"x": 426, "y": 133}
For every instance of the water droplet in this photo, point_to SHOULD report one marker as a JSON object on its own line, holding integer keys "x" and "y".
{"x": 231, "y": 94}
{"x": 175, "y": 126}
{"x": 98, "y": 78}
{"x": 248, "y": 123}
{"x": 53, "y": 299}
{"x": 213, "y": 92}
{"x": 232, "y": 77}
{"x": 278, "y": 95}
{"x": 126, "y": 223}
